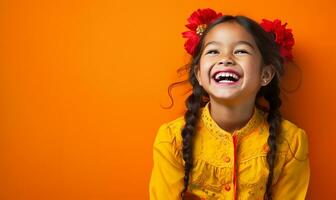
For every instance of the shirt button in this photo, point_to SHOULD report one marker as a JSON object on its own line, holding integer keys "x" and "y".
{"x": 227, "y": 187}
{"x": 227, "y": 159}
{"x": 266, "y": 148}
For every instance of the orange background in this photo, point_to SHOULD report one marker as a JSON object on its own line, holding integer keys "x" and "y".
{"x": 82, "y": 83}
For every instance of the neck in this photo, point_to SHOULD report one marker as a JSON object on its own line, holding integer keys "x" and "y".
{"x": 231, "y": 117}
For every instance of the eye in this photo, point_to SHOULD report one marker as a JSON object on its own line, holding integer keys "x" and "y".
{"x": 213, "y": 51}
{"x": 242, "y": 51}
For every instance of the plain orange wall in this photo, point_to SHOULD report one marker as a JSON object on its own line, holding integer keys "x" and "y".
{"x": 82, "y": 83}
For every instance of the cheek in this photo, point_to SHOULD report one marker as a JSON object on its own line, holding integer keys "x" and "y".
{"x": 203, "y": 63}
{"x": 253, "y": 74}
{"x": 252, "y": 66}
{"x": 204, "y": 69}
{"x": 204, "y": 74}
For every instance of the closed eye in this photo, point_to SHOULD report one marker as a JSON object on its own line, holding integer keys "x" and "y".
{"x": 212, "y": 52}
{"x": 243, "y": 51}
{"x": 215, "y": 51}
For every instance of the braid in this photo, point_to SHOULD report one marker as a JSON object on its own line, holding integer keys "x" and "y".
{"x": 271, "y": 94}
{"x": 193, "y": 104}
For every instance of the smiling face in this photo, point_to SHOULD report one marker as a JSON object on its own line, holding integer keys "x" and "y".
{"x": 230, "y": 67}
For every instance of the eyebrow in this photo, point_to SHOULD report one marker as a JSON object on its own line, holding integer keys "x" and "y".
{"x": 238, "y": 42}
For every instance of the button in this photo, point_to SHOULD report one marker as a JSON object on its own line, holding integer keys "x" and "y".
{"x": 227, "y": 187}
{"x": 266, "y": 148}
{"x": 227, "y": 159}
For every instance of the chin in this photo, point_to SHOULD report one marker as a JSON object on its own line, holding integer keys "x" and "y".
{"x": 226, "y": 97}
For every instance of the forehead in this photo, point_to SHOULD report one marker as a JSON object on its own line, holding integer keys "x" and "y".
{"x": 228, "y": 33}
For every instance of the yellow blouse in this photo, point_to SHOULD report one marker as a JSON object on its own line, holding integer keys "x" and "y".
{"x": 218, "y": 153}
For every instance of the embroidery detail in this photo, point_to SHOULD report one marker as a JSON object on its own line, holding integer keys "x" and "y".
{"x": 202, "y": 182}
{"x": 209, "y": 177}
{"x": 252, "y": 178}
{"x": 197, "y": 192}
{"x": 215, "y": 151}
{"x": 219, "y": 133}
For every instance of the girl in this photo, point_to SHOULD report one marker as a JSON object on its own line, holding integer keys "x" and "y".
{"x": 230, "y": 144}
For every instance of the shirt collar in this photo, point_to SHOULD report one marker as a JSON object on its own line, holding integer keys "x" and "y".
{"x": 217, "y": 131}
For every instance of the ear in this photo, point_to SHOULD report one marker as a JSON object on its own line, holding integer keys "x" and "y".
{"x": 267, "y": 74}
{"x": 198, "y": 74}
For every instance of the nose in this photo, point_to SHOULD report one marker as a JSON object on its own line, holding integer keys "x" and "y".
{"x": 226, "y": 61}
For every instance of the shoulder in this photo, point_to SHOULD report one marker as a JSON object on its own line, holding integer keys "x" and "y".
{"x": 294, "y": 138}
{"x": 291, "y": 131}
{"x": 170, "y": 131}
{"x": 168, "y": 140}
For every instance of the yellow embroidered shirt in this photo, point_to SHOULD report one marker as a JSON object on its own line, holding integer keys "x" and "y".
{"x": 230, "y": 166}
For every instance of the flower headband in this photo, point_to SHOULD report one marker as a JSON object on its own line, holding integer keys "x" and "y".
{"x": 200, "y": 19}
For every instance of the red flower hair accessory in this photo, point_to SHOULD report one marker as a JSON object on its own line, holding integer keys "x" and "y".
{"x": 200, "y": 19}
{"x": 283, "y": 36}
{"x": 198, "y": 22}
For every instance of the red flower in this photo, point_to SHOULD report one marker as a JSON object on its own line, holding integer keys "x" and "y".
{"x": 283, "y": 36}
{"x": 198, "y": 22}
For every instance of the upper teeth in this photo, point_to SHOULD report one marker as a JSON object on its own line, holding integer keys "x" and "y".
{"x": 226, "y": 74}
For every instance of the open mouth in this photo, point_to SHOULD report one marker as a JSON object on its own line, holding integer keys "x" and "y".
{"x": 226, "y": 77}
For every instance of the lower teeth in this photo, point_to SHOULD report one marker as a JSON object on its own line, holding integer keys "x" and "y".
{"x": 228, "y": 81}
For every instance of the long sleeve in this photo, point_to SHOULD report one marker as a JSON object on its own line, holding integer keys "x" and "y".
{"x": 294, "y": 178}
{"x": 166, "y": 182}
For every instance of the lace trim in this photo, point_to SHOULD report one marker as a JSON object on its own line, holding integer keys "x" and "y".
{"x": 219, "y": 133}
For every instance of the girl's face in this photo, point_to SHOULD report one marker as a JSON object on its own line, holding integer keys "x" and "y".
{"x": 230, "y": 66}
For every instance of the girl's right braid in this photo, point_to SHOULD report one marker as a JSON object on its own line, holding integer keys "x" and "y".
{"x": 193, "y": 104}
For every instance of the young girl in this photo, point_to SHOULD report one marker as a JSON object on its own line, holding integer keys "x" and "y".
{"x": 228, "y": 145}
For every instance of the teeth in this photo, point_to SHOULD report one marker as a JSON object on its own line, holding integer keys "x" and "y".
{"x": 226, "y": 74}
{"x": 227, "y": 81}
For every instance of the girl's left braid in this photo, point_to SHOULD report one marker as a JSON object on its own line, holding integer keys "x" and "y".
{"x": 271, "y": 94}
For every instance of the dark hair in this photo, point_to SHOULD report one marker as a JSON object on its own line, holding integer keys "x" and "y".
{"x": 271, "y": 93}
